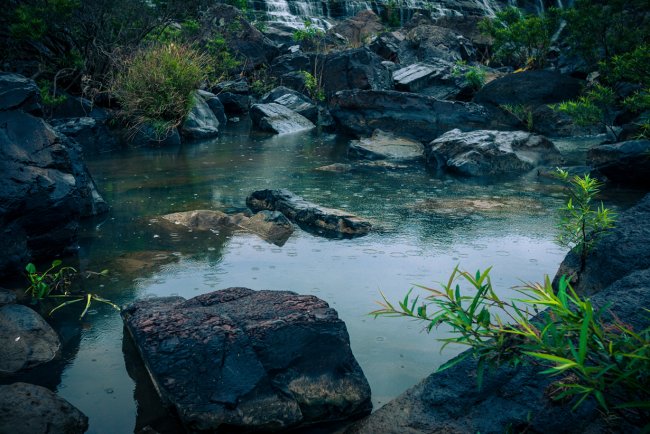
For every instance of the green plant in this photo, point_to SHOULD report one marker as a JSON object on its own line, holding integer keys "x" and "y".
{"x": 156, "y": 84}
{"x": 474, "y": 75}
{"x": 581, "y": 224}
{"x": 262, "y": 82}
{"x": 222, "y": 60}
{"x": 313, "y": 86}
{"x": 310, "y": 34}
{"x": 595, "y": 107}
{"x": 595, "y": 355}
{"x": 55, "y": 283}
{"x": 522, "y": 112}
{"x": 519, "y": 40}
{"x": 49, "y": 94}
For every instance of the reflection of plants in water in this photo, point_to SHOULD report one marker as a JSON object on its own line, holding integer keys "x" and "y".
{"x": 56, "y": 282}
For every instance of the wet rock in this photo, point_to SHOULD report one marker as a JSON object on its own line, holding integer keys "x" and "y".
{"x": 279, "y": 119}
{"x": 235, "y": 103}
{"x": 233, "y": 86}
{"x": 418, "y": 117}
{"x": 26, "y": 340}
{"x": 29, "y": 409}
{"x": 549, "y": 122}
{"x": 326, "y": 221}
{"x": 358, "y": 68}
{"x": 465, "y": 207}
{"x": 292, "y": 100}
{"x": 622, "y": 250}
{"x": 45, "y": 190}
{"x": 359, "y": 28}
{"x": 200, "y": 123}
{"x": 215, "y": 105}
{"x": 529, "y": 88}
{"x": 625, "y": 163}
{"x": 244, "y": 360}
{"x": 19, "y": 93}
{"x": 273, "y": 227}
{"x": 385, "y": 146}
{"x": 484, "y": 152}
{"x": 467, "y": 26}
{"x": 294, "y": 62}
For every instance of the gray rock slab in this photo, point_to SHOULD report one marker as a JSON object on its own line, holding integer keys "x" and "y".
{"x": 279, "y": 119}
{"x": 324, "y": 221}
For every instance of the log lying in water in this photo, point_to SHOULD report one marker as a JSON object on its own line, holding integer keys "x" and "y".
{"x": 321, "y": 220}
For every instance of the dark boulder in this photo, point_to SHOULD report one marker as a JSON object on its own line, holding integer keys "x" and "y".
{"x": 359, "y": 28}
{"x": 438, "y": 78}
{"x": 325, "y": 221}
{"x": 552, "y": 123}
{"x": 385, "y": 146}
{"x": 387, "y": 46}
{"x": 278, "y": 119}
{"x": 294, "y": 62}
{"x": 234, "y": 103}
{"x": 292, "y": 100}
{"x": 7, "y": 297}
{"x": 358, "y": 68}
{"x": 215, "y": 105}
{"x": 418, "y": 117}
{"x": 620, "y": 251}
{"x": 233, "y": 86}
{"x": 247, "y": 43}
{"x": 625, "y": 163}
{"x": 19, "y": 93}
{"x": 529, "y": 88}
{"x": 241, "y": 360}
{"x": 45, "y": 190}
{"x": 433, "y": 42}
{"x": 26, "y": 340}
{"x": 467, "y": 26}
{"x": 200, "y": 123}
{"x": 30, "y": 409}
{"x": 485, "y": 153}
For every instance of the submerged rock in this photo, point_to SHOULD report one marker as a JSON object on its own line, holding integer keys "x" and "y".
{"x": 385, "y": 146}
{"x": 272, "y": 226}
{"x": 26, "y": 340}
{"x": 484, "y": 152}
{"x": 328, "y": 221}
{"x": 625, "y": 162}
{"x": 243, "y": 360}
{"x": 279, "y": 119}
{"x": 418, "y": 117}
{"x": 30, "y": 409}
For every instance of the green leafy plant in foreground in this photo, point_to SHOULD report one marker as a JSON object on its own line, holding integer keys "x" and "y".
{"x": 591, "y": 353}
{"x": 55, "y": 283}
{"x": 581, "y": 224}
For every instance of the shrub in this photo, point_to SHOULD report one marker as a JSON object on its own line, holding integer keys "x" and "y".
{"x": 313, "y": 86}
{"x": 581, "y": 225}
{"x": 595, "y": 107}
{"x": 594, "y": 356}
{"x": 519, "y": 40}
{"x": 156, "y": 84}
{"x": 474, "y": 75}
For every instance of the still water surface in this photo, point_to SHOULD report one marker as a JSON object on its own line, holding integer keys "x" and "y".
{"x": 426, "y": 224}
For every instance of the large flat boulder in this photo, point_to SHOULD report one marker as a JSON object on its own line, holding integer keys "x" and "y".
{"x": 271, "y": 226}
{"x": 385, "y": 146}
{"x": 240, "y": 360}
{"x": 26, "y": 340}
{"x": 292, "y": 100}
{"x": 410, "y": 115}
{"x": 486, "y": 152}
{"x": 325, "y": 221}
{"x": 45, "y": 190}
{"x": 625, "y": 163}
{"x": 279, "y": 119}
{"x": 30, "y": 409}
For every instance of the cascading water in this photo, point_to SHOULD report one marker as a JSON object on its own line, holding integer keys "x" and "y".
{"x": 322, "y": 13}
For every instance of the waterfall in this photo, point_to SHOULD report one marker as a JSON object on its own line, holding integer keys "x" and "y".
{"x": 322, "y": 13}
